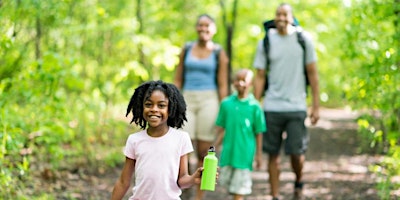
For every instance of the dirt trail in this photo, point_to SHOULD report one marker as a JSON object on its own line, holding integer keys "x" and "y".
{"x": 334, "y": 170}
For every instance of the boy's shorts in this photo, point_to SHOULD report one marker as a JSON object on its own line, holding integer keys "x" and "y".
{"x": 237, "y": 181}
{"x": 296, "y": 142}
{"x": 202, "y": 110}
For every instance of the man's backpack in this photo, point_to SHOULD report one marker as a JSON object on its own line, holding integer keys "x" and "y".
{"x": 217, "y": 50}
{"x": 300, "y": 38}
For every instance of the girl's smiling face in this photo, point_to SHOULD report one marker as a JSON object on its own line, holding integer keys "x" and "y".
{"x": 155, "y": 109}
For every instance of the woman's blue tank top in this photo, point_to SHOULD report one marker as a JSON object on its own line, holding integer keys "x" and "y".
{"x": 200, "y": 74}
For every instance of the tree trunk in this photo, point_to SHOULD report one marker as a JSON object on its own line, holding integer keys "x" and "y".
{"x": 397, "y": 58}
{"x": 142, "y": 59}
{"x": 38, "y": 38}
{"x": 229, "y": 28}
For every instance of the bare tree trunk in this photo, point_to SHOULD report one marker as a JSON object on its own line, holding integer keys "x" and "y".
{"x": 139, "y": 15}
{"x": 38, "y": 38}
{"x": 230, "y": 29}
{"x": 397, "y": 39}
{"x": 142, "y": 59}
{"x": 397, "y": 27}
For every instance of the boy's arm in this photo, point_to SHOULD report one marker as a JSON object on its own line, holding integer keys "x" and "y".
{"x": 124, "y": 181}
{"x": 259, "y": 83}
{"x": 220, "y": 136}
{"x": 258, "y": 156}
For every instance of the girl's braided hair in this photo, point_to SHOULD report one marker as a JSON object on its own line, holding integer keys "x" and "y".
{"x": 176, "y": 105}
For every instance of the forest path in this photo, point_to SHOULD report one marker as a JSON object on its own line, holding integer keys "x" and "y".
{"x": 334, "y": 169}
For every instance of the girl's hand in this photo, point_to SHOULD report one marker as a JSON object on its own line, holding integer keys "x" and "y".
{"x": 199, "y": 172}
{"x": 197, "y": 175}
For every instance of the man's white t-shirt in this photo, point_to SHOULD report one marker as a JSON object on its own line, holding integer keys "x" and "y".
{"x": 157, "y": 163}
{"x": 286, "y": 91}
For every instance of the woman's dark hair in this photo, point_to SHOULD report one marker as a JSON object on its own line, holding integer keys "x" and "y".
{"x": 205, "y": 15}
{"x": 176, "y": 105}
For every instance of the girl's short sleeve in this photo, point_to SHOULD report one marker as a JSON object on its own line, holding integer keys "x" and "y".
{"x": 187, "y": 146}
{"x": 129, "y": 150}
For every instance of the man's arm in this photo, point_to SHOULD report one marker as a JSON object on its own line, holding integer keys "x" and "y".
{"x": 313, "y": 78}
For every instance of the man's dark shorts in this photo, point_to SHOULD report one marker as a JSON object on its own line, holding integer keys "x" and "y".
{"x": 293, "y": 123}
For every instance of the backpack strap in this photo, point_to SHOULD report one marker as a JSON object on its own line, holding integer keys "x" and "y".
{"x": 186, "y": 48}
{"x": 300, "y": 38}
{"x": 217, "y": 50}
{"x": 302, "y": 42}
{"x": 267, "y": 25}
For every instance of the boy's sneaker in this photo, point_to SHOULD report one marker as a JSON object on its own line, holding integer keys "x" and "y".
{"x": 298, "y": 190}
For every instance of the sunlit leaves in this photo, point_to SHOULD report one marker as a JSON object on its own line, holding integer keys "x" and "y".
{"x": 374, "y": 82}
{"x": 94, "y": 53}
{"x": 137, "y": 69}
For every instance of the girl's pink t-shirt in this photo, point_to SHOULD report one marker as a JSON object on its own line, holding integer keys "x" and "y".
{"x": 157, "y": 163}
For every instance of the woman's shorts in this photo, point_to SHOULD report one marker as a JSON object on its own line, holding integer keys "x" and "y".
{"x": 202, "y": 110}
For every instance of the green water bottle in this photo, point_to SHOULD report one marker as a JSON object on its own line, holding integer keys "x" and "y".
{"x": 209, "y": 174}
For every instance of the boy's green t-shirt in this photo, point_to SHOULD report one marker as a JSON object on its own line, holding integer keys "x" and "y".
{"x": 242, "y": 119}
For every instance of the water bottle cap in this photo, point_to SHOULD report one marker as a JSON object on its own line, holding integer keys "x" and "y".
{"x": 212, "y": 149}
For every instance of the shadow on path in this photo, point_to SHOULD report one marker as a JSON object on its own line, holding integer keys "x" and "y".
{"x": 334, "y": 170}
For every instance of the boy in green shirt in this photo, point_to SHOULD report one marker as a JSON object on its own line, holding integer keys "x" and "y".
{"x": 240, "y": 124}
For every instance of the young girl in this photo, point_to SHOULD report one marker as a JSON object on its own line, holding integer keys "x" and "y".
{"x": 157, "y": 155}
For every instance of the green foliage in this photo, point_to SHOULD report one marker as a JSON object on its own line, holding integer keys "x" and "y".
{"x": 371, "y": 48}
{"x": 388, "y": 170}
{"x": 69, "y": 67}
